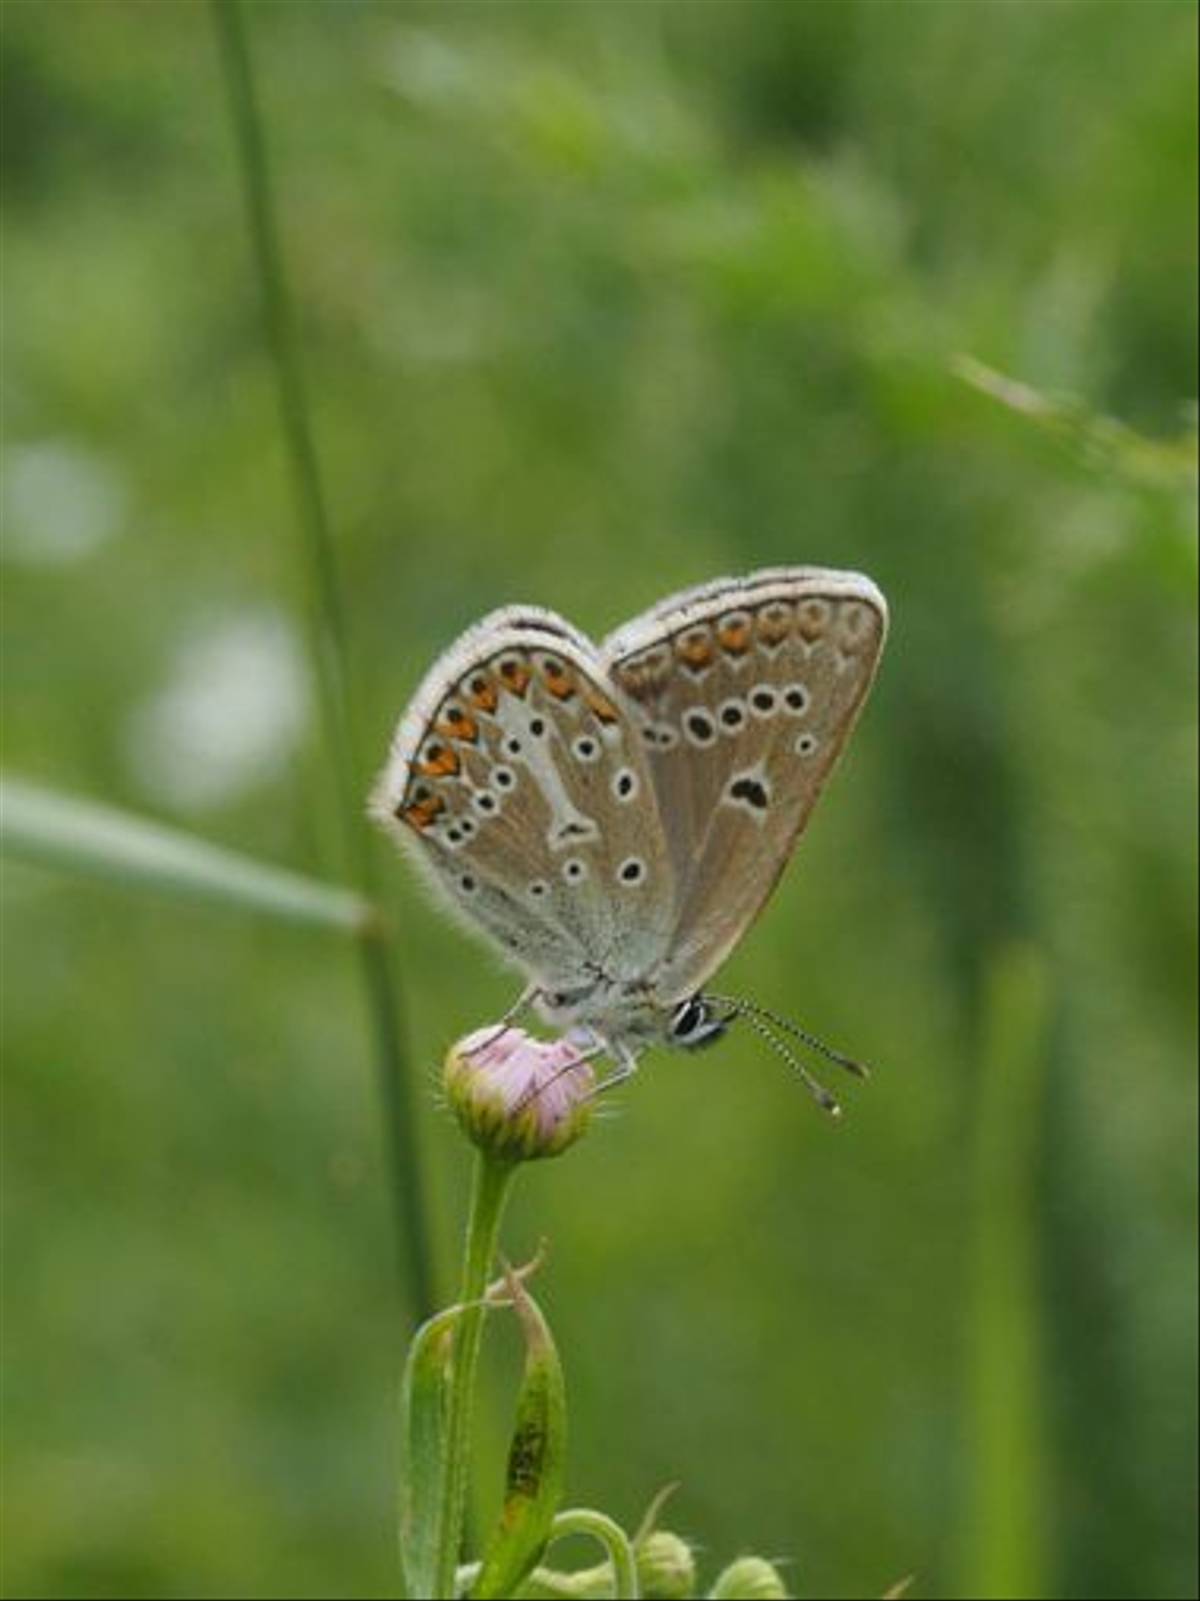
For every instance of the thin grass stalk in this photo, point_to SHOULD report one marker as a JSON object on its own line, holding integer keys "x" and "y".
{"x": 327, "y": 645}
{"x": 1007, "y": 1513}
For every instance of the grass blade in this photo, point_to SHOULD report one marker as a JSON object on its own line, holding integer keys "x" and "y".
{"x": 1006, "y": 1514}
{"x": 56, "y": 830}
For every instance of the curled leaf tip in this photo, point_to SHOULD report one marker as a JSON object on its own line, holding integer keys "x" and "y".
{"x": 651, "y": 1515}
{"x": 498, "y": 1292}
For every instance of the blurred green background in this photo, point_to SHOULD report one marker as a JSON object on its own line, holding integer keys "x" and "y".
{"x": 598, "y": 301}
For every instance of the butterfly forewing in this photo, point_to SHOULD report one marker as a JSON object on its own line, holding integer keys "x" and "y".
{"x": 519, "y": 778}
{"x": 748, "y": 690}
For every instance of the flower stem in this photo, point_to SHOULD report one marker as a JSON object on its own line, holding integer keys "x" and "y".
{"x": 489, "y": 1189}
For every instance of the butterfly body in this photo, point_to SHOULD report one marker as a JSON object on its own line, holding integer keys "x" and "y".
{"x": 613, "y": 817}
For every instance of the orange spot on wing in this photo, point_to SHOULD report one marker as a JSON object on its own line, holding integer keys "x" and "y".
{"x": 642, "y": 676}
{"x": 558, "y": 679}
{"x": 514, "y": 675}
{"x": 439, "y": 761}
{"x": 454, "y": 723}
{"x": 482, "y": 693}
{"x": 695, "y": 650}
{"x": 734, "y": 635}
{"x": 599, "y": 705}
{"x": 419, "y": 814}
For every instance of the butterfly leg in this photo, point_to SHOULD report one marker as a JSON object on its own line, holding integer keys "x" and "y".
{"x": 626, "y": 1067}
{"x": 525, "y": 999}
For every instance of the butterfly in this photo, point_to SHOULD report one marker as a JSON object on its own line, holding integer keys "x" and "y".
{"x": 613, "y": 818}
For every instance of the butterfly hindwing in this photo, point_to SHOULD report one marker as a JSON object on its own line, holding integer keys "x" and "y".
{"x": 748, "y": 690}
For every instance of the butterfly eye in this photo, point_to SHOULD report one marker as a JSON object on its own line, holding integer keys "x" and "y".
{"x": 686, "y": 1017}
{"x": 693, "y": 1024}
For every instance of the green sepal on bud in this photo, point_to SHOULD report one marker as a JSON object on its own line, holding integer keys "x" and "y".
{"x": 666, "y": 1567}
{"x": 749, "y": 1579}
{"x": 518, "y": 1098}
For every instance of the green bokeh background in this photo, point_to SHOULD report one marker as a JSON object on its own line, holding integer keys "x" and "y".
{"x": 598, "y": 301}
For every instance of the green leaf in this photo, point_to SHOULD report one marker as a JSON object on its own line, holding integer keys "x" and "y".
{"x": 56, "y": 830}
{"x": 424, "y": 1409}
{"x": 536, "y": 1459}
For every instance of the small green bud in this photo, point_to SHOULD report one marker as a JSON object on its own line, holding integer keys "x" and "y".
{"x": 749, "y": 1579}
{"x": 516, "y": 1097}
{"x": 666, "y": 1567}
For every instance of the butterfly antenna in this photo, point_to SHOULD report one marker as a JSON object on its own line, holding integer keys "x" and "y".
{"x": 819, "y": 1093}
{"x": 749, "y": 1009}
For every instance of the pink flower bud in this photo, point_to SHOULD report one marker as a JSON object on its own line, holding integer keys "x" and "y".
{"x": 518, "y": 1097}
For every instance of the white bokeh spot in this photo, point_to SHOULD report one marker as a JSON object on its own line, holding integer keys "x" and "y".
{"x": 233, "y": 709}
